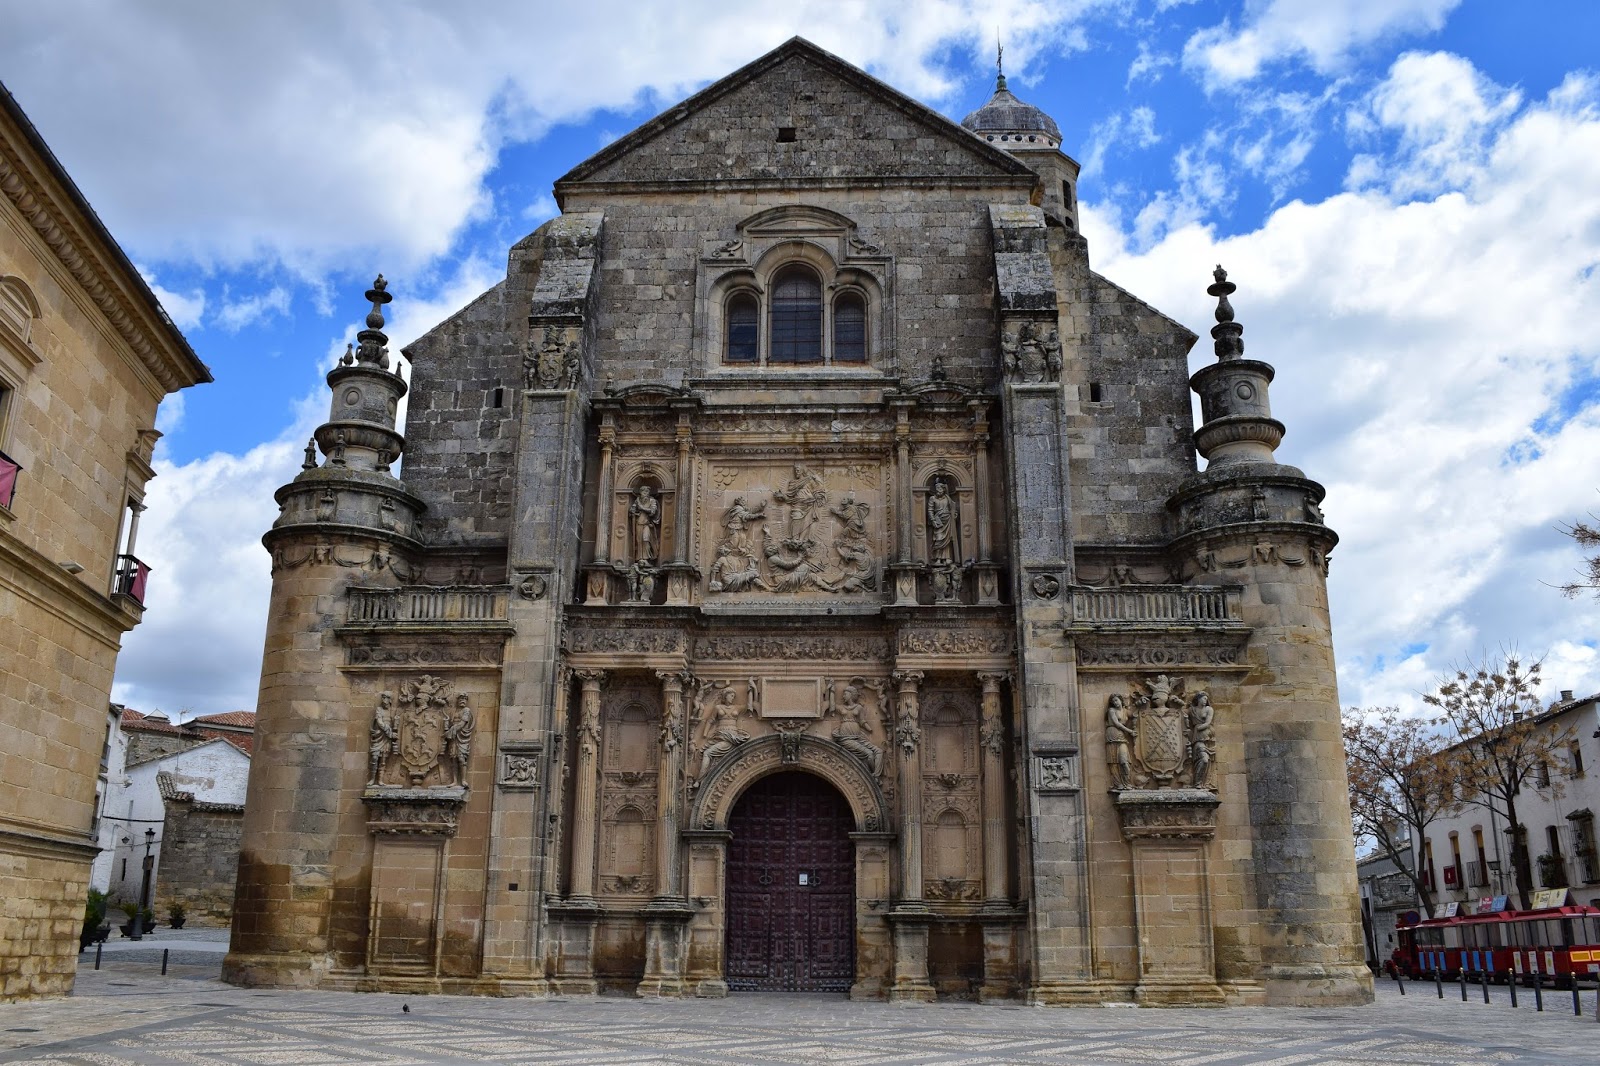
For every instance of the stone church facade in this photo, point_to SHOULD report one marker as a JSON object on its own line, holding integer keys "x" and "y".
{"x": 800, "y": 578}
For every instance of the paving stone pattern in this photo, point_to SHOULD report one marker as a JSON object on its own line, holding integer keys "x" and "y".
{"x": 125, "y": 1014}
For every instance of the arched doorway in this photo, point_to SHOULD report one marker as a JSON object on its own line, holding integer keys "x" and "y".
{"x": 791, "y": 888}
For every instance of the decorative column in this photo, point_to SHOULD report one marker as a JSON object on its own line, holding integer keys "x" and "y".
{"x": 681, "y": 571}
{"x": 910, "y": 916}
{"x": 903, "y": 569}
{"x": 992, "y": 738}
{"x": 667, "y": 915}
{"x": 581, "y": 886}
{"x": 597, "y": 583}
{"x": 574, "y": 963}
{"x": 999, "y": 919}
{"x": 988, "y": 570}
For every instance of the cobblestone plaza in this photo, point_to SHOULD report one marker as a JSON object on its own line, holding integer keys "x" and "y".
{"x": 126, "y": 1013}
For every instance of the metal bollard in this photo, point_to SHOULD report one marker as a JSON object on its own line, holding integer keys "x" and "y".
{"x": 1461, "y": 978}
{"x": 1577, "y": 1007}
{"x": 1438, "y": 982}
{"x": 98, "y": 948}
{"x": 1399, "y": 983}
{"x": 1511, "y": 983}
{"x": 164, "y": 961}
{"x": 1538, "y": 990}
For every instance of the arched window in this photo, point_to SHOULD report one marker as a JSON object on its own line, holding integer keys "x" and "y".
{"x": 796, "y": 318}
{"x": 850, "y": 329}
{"x": 743, "y": 319}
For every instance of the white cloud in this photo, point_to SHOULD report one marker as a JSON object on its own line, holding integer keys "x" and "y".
{"x": 210, "y": 578}
{"x": 1135, "y": 127}
{"x": 364, "y": 130}
{"x": 541, "y": 209}
{"x": 185, "y": 309}
{"x": 237, "y": 314}
{"x": 1444, "y": 114}
{"x": 1320, "y": 33}
{"x": 1435, "y": 366}
{"x": 1147, "y": 64}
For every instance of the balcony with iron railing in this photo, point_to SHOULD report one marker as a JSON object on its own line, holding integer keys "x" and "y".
{"x": 9, "y": 470}
{"x": 427, "y": 605}
{"x": 132, "y": 577}
{"x": 1157, "y": 605}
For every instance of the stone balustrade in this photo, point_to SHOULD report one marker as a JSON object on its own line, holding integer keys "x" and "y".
{"x": 429, "y": 604}
{"x": 1164, "y": 604}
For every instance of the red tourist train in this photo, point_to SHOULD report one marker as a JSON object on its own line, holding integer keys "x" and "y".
{"x": 1557, "y": 942}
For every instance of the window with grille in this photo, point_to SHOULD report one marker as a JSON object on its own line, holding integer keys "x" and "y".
{"x": 796, "y": 318}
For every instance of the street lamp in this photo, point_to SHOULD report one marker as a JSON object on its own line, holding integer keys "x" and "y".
{"x": 144, "y": 887}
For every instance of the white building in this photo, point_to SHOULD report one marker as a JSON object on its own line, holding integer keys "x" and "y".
{"x": 1466, "y": 856}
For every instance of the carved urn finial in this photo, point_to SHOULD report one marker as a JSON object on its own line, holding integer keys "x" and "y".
{"x": 372, "y": 339}
{"x": 1227, "y": 333}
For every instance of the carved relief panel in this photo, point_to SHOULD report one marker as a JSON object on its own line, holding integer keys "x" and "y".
{"x": 951, "y": 822}
{"x": 777, "y": 529}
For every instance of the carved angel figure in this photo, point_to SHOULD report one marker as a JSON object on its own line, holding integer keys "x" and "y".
{"x": 722, "y": 730}
{"x": 383, "y": 738}
{"x": 855, "y": 727}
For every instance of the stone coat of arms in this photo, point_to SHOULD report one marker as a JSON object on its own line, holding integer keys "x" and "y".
{"x": 1158, "y": 737}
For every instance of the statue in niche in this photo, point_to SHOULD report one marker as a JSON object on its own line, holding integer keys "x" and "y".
{"x": 802, "y": 494}
{"x": 644, "y": 514}
{"x": 458, "y": 737}
{"x": 1119, "y": 735}
{"x": 641, "y": 583}
{"x": 1158, "y": 740}
{"x": 854, "y": 733}
{"x": 722, "y": 730}
{"x": 383, "y": 738}
{"x": 943, "y": 525}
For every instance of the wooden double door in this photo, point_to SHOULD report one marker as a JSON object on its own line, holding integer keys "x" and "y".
{"x": 791, "y": 888}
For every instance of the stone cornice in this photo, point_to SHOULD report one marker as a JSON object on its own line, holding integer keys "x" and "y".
{"x": 34, "y": 181}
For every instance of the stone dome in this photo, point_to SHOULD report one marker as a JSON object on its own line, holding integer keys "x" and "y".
{"x": 1006, "y": 120}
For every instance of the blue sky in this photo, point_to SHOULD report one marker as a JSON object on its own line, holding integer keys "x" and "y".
{"x": 1406, "y": 191}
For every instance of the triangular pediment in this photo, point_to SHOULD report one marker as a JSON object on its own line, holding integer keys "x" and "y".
{"x": 797, "y": 114}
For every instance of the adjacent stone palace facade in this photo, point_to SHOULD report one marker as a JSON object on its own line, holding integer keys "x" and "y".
{"x": 799, "y": 578}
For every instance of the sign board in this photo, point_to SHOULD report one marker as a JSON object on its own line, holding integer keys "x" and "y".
{"x": 1499, "y": 904}
{"x": 1452, "y": 909}
{"x": 1486, "y": 905}
{"x": 1549, "y": 897}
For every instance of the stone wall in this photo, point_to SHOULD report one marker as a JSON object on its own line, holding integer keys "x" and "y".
{"x": 199, "y": 860}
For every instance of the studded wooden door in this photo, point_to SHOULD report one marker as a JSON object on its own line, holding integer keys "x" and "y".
{"x": 791, "y": 888}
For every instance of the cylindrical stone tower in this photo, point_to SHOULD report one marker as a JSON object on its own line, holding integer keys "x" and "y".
{"x": 344, "y": 522}
{"x": 1251, "y": 521}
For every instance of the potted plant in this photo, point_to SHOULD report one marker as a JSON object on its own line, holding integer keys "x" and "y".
{"x": 95, "y": 928}
{"x": 128, "y": 910}
{"x": 149, "y": 919}
{"x": 177, "y": 914}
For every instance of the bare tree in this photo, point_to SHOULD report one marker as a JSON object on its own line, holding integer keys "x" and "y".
{"x": 1498, "y": 743}
{"x": 1399, "y": 785}
{"x": 1587, "y": 535}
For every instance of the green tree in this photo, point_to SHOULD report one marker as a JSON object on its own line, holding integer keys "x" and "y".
{"x": 1399, "y": 785}
{"x": 1491, "y": 712}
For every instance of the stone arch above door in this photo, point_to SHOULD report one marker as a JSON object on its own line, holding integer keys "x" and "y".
{"x": 751, "y": 761}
